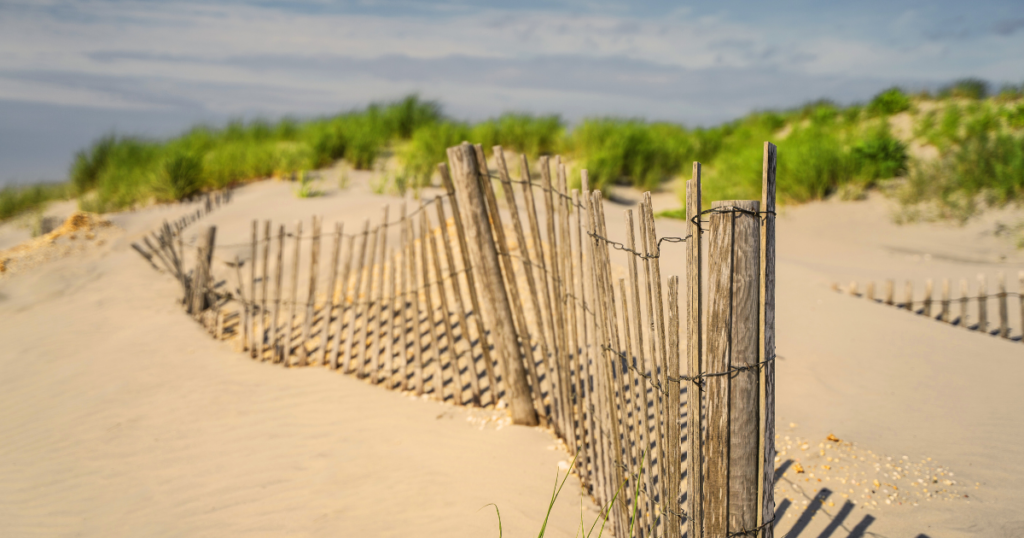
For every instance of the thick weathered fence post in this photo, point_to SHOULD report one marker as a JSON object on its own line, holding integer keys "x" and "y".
{"x": 496, "y": 308}
{"x": 767, "y": 341}
{"x": 733, "y": 481}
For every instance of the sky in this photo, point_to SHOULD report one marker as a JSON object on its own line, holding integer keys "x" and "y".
{"x": 73, "y": 71}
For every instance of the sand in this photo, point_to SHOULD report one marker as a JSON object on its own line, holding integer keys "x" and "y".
{"x": 121, "y": 417}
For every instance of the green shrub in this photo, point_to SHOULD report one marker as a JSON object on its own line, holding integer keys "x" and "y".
{"x": 879, "y": 156}
{"x": 630, "y": 151}
{"x": 86, "y": 168}
{"x": 427, "y": 148}
{"x": 524, "y": 133}
{"x": 179, "y": 176}
{"x": 969, "y": 88}
{"x": 891, "y": 101}
{"x": 18, "y": 199}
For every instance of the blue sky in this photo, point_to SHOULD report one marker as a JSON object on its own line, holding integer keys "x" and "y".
{"x": 72, "y": 71}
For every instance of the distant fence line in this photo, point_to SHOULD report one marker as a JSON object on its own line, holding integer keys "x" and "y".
{"x": 528, "y": 315}
{"x": 941, "y": 308}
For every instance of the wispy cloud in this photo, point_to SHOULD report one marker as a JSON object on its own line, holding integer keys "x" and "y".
{"x": 697, "y": 63}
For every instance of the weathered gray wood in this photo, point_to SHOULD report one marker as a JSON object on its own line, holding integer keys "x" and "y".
{"x": 265, "y": 281}
{"x": 248, "y": 332}
{"x": 673, "y": 448}
{"x": 343, "y": 298}
{"x": 766, "y": 340}
{"x": 889, "y": 292}
{"x": 363, "y": 333}
{"x": 569, "y": 352}
{"x": 375, "y": 337}
{"x": 332, "y": 289}
{"x": 908, "y": 296}
{"x": 540, "y": 267}
{"x": 634, "y": 449}
{"x": 1020, "y": 296}
{"x": 388, "y": 337}
{"x": 314, "y": 273}
{"x": 642, "y": 397}
{"x": 732, "y": 481}
{"x": 289, "y": 327}
{"x": 659, "y": 318}
{"x": 404, "y": 302}
{"x": 929, "y": 290}
{"x": 963, "y": 302}
{"x": 982, "y": 304}
{"x": 446, "y": 316}
{"x": 471, "y": 287}
{"x": 511, "y": 284}
{"x": 694, "y": 341}
{"x": 241, "y": 301}
{"x": 460, "y": 307}
{"x": 586, "y": 460}
{"x": 356, "y": 301}
{"x": 497, "y": 310}
{"x": 653, "y": 363}
{"x": 527, "y": 260}
{"x": 275, "y": 315}
{"x": 428, "y": 300}
{"x": 1004, "y": 319}
{"x": 944, "y": 305}
{"x": 554, "y": 277}
{"x": 417, "y": 334}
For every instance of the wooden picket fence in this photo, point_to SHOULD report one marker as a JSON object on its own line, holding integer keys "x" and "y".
{"x": 942, "y": 308}
{"x": 452, "y": 302}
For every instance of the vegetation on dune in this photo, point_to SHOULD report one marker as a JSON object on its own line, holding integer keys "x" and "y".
{"x": 823, "y": 148}
{"x": 17, "y": 199}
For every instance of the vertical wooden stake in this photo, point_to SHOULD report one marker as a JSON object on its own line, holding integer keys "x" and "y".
{"x": 343, "y": 300}
{"x": 356, "y": 301}
{"x": 674, "y": 418}
{"x": 375, "y": 337}
{"x": 290, "y": 324}
{"x": 497, "y": 309}
{"x": 982, "y": 304}
{"x": 275, "y": 349}
{"x": 314, "y": 272}
{"x": 467, "y": 265}
{"x": 889, "y": 292}
{"x": 248, "y": 338}
{"x": 766, "y": 340}
{"x": 446, "y": 316}
{"x": 869, "y": 292}
{"x": 694, "y": 341}
{"x": 928, "y": 292}
{"x": 417, "y": 335}
{"x": 1004, "y": 318}
{"x": 460, "y": 307}
{"x": 908, "y": 296}
{"x": 332, "y": 289}
{"x": 963, "y": 302}
{"x": 262, "y": 337}
{"x": 586, "y": 461}
{"x": 944, "y": 316}
{"x": 1020, "y": 296}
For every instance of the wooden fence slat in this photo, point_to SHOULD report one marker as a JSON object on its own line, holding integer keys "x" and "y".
{"x": 642, "y": 396}
{"x": 497, "y": 310}
{"x": 889, "y": 292}
{"x": 767, "y": 340}
{"x": 540, "y": 267}
{"x": 1004, "y": 318}
{"x": 586, "y": 461}
{"x": 468, "y": 269}
{"x": 929, "y": 290}
{"x": 569, "y": 350}
{"x": 554, "y": 276}
{"x": 982, "y": 304}
{"x": 265, "y": 281}
{"x": 511, "y": 284}
{"x": 963, "y": 302}
{"x": 403, "y": 301}
{"x": 633, "y": 448}
{"x": 314, "y": 271}
{"x": 275, "y": 350}
{"x": 673, "y": 448}
{"x": 392, "y": 330}
{"x": 332, "y": 289}
{"x": 460, "y": 307}
{"x": 356, "y": 301}
{"x": 1020, "y": 296}
{"x": 428, "y": 300}
{"x": 343, "y": 300}
{"x": 374, "y": 274}
{"x": 294, "y": 305}
{"x": 446, "y": 315}
{"x": 248, "y": 336}
{"x": 944, "y": 314}
{"x": 417, "y": 333}
{"x": 374, "y": 337}
{"x": 694, "y": 352}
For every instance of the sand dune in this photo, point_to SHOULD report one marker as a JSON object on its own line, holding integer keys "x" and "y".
{"x": 121, "y": 417}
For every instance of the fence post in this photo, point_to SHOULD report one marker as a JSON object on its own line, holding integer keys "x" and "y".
{"x": 889, "y": 292}
{"x": 497, "y": 310}
{"x": 1020, "y": 296}
{"x": 694, "y": 341}
{"x": 908, "y": 296}
{"x": 928, "y": 291}
{"x": 945, "y": 301}
{"x": 290, "y": 324}
{"x": 766, "y": 353}
{"x": 982, "y": 304}
{"x": 733, "y": 342}
{"x": 869, "y": 291}
{"x": 332, "y": 284}
{"x": 964, "y": 290}
{"x": 1004, "y": 321}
